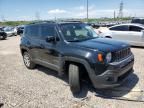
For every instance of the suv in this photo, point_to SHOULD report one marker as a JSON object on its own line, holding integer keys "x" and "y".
{"x": 75, "y": 48}
{"x": 138, "y": 20}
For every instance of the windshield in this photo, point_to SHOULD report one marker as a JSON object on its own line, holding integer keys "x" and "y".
{"x": 77, "y": 32}
{"x": 7, "y": 29}
{"x": 1, "y": 29}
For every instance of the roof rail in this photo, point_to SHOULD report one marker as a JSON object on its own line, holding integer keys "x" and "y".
{"x": 37, "y": 22}
{"x": 52, "y": 21}
{"x": 69, "y": 21}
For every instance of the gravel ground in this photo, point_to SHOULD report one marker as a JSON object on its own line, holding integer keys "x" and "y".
{"x": 43, "y": 88}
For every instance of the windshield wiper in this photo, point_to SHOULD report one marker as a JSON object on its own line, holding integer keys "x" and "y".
{"x": 74, "y": 40}
{"x": 90, "y": 38}
{"x": 80, "y": 40}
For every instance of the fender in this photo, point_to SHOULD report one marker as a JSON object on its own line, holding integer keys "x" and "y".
{"x": 90, "y": 71}
{"x": 24, "y": 48}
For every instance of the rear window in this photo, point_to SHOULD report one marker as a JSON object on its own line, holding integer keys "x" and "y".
{"x": 32, "y": 31}
{"x": 135, "y": 28}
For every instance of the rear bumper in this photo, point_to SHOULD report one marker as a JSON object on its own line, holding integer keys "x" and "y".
{"x": 115, "y": 74}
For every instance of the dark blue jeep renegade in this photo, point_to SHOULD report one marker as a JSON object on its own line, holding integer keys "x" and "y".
{"x": 75, "y": 48}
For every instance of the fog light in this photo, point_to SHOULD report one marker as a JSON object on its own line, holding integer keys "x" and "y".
{"x": 110, "y": 79}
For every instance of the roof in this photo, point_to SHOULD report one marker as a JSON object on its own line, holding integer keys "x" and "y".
{"x": 55, "y": 22}
{"x": 130, "y": 24}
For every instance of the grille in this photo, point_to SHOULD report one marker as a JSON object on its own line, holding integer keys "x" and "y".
{"x": 122, "y": 54}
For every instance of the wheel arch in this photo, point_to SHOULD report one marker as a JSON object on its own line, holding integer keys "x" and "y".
{"x": 77, "y": 61}
{"x": 23, "y": 49}
{"x": 90, "y": 71}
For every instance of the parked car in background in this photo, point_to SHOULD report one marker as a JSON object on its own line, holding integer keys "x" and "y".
{"x": 138, "y": 20}
{"x": 20, "y": 30}
{"x": 14, "y": 31}
{"x": 3, "y": 35}
{"x": 10, "y": 31}
{"x": 131, "y": 33}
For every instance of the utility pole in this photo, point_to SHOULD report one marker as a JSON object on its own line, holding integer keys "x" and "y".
{"x": 87, "y": 10}
{"x": 37, "y": 16}
{"x": 3, "y": 18}
{"x": 114, "y": 15}
{"x": 120, "y": 15}
{"x": 55, "y": 18}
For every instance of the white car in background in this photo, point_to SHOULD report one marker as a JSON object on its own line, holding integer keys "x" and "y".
{"x": 10, "y": 31}
{"x": 130, "y": 33}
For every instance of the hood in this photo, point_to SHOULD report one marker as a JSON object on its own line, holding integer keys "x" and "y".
{"x": 102, "y": 44}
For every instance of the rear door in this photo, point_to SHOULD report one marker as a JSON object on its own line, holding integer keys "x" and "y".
{"x": 32, "y": 34}
{"x": 135, "y": 34}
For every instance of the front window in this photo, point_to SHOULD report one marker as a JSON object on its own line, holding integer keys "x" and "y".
{"x": 48, "y": 30}
{"x": 77, "y": 32}
{"x": 120, "y": 28}
{"x": 7, "y": 29}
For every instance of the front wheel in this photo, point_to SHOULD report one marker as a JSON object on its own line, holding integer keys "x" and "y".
{"x": 27, "y": 61}
{"x": 74, "y": 79}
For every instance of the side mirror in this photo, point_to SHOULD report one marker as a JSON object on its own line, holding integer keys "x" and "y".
{"x": 52, "y": 39}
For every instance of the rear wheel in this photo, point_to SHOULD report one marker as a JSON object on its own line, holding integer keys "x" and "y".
{"x": 4, "y": 37}
{"x": 74, "y": 79}
{"x": 27, "y": 61}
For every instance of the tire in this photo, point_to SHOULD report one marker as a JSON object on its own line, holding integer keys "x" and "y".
{"x": 74, "y": 79}
{"x": 4, "y": 37}
{"x": 13, "y": 34}
{"x": 28, "y": 61}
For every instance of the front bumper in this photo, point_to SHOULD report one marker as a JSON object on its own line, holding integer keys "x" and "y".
{"x": 115, "y": 74}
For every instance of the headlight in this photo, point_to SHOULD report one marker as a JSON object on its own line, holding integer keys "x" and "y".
{"x": 109, "y": 57}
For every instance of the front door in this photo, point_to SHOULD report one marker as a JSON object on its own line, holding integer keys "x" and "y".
{"x": 49, "y": 51}
{"x": 120, "y": 32}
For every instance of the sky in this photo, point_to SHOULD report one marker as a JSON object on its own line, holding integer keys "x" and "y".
{"x": 49, "y": 9}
